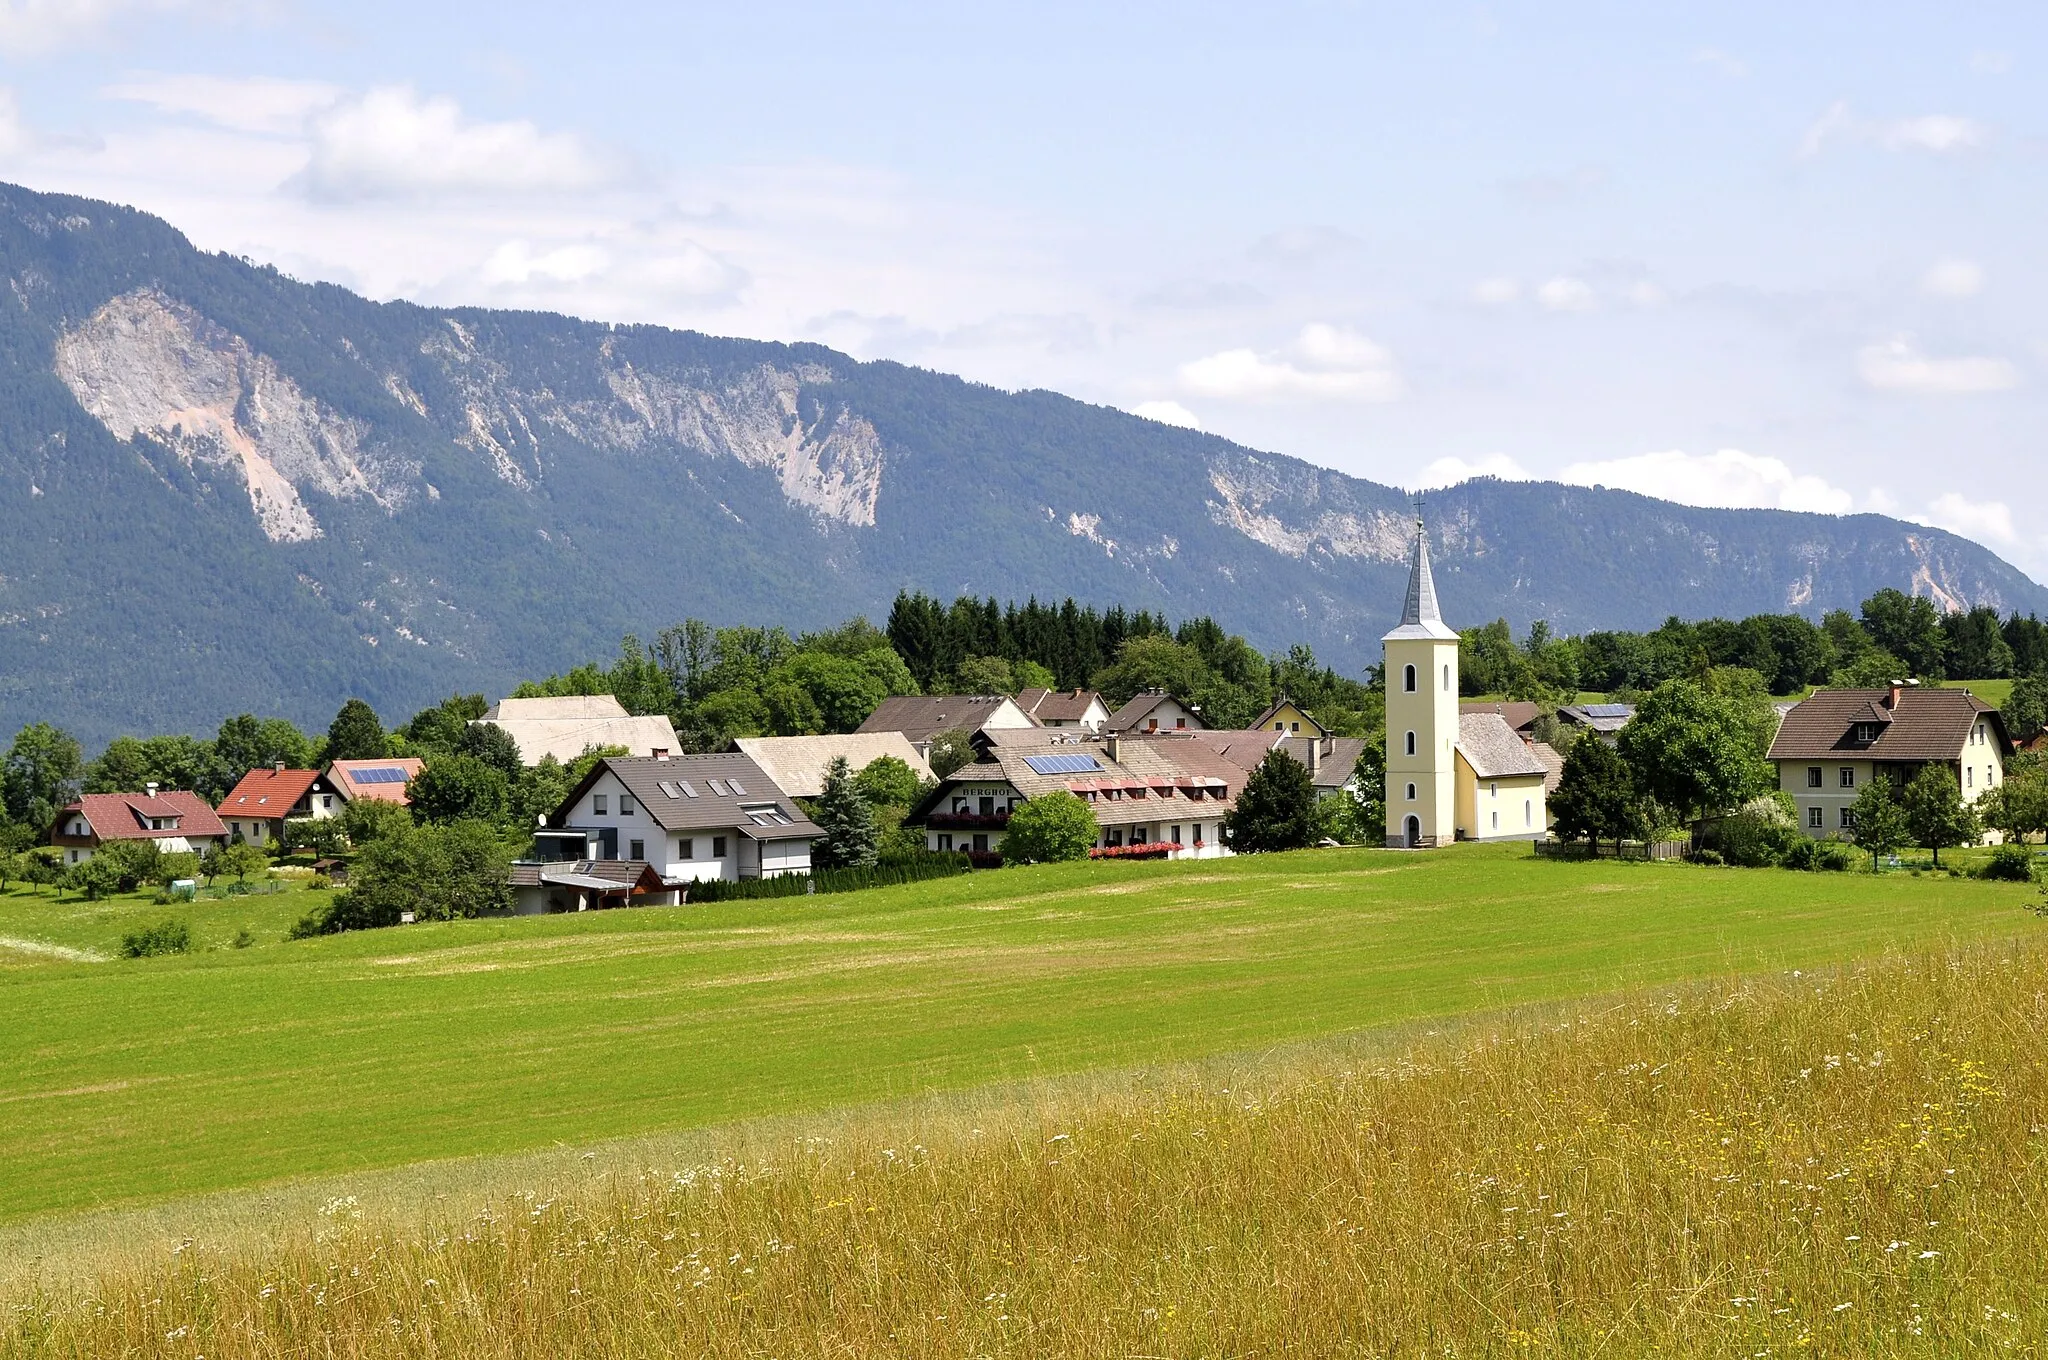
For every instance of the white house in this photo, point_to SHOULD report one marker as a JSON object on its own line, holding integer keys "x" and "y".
{"x": 1164, "y": 793}
{"x": 921, "y": 717}
{"x": 1081, "y": 708}
{"x": 690, "y": 817}
{"x": 1154, "y": 710}
{"x": 175, "y": 820}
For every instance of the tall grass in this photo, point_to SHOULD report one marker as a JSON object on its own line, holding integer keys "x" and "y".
{"x": 1843, "y": 1165}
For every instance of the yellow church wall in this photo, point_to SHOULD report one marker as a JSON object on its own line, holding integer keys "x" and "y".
{"x": 1431, "y": 712}
{"x": 1499, "y": 809}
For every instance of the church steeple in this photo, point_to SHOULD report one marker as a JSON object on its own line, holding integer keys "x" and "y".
{"x": 1420, "y": 617}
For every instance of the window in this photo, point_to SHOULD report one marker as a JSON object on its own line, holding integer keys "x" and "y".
{"x": 1496, "y": 819}
{"x": 1175, "y": 837}
{"x": 1447, "y": 679}
{"x": 686, "y": 848}
{"x": 326, "y": 800}
{"x": 1296, "y": 727}
{"x": 1180, "y": 722}
{"x": 1411, "y": 793}
{"x": 636, "y": 849}
{"x": 718, "y": 847}
{"x": 1528, "y": 812}
{"x": 1152, "y": 725}
{"x": 988, "y": 807}
{"x": 960, "y": 805}
{"x": 1408, "y": 679}
{"x": 1279, "y": 727}
{"x": 1848, "y": 776}
{"x": 1198, "y": 834}
{"x": 600, "y": 805}
{"x": 945, "y": 840}
{"x": 625, "y": 805}
{"x": 981, "y": 842}
{"x": 1493, "y": 790}
{"x": 1411, "y": 743}
{"x": 1969, "y": 776}
{"x": 1813, "y": 776}
{"x": 1814, "y": 818}
{"x": 1848, "y": 819}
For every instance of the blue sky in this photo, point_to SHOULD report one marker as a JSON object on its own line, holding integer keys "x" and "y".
{"x": 1731, "y": 254}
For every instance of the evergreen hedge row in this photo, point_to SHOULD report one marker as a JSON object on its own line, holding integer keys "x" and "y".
{"x": 831, "y": 880}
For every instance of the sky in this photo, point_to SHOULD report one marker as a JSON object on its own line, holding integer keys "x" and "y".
{"x": 1728, "y": 254}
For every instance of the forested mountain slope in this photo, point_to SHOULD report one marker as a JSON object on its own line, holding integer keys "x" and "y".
{"x": 223, "y": 490}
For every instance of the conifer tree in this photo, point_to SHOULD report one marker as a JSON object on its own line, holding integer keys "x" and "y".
{"x": 850, "y": 840}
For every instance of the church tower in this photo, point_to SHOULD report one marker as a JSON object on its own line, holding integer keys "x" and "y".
{"x": 1422, "y": 714}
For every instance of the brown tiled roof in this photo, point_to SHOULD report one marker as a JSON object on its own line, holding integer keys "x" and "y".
{"x": 1493, "y": 750}
{"x": 268, "y": 793}
{"x": 1059, "y": 705}
{"x": 124, "y": 816}
{"x": 1518, "y": 713}
{"x": 923, "y": 716}
{"x": 1337, "y": 762}
{"x": 1553, "y": 765}
{"x": 1164, "y": 768}
{"x": 1925, "y": 724}
{"x": 1139, "y": 708}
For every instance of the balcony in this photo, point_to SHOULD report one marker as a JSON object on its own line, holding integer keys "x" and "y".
{"x": 973, "y": 821}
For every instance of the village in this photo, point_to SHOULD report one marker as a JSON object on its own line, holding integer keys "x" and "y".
{"x": 634, "y": 820}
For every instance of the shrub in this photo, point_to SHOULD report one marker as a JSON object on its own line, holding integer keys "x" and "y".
{"x": 2010, "y": 863}
{"x": 243, "y": 939}
{"x": 318, "y": 883}
{"x": 1707, "y": 856}
{"x": 94, "y": 879}
{"x": 165, "y": 937}
{"x": 1818, "y": 856}
{"x": 1051, "y": 827}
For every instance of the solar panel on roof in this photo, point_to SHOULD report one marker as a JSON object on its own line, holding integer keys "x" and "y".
{"x": 381, "y": 774}
{"x": 1607, "y": 710}
{"x": 1063, "y": 764}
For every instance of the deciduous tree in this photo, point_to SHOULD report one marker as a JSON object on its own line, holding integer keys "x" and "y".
{"x": 1695, "y": 752}
{"x": 1597, "y": 798}
{"x": 1051, "y": 827}
{"x": 1880, "y": 820}
{"x": 356, "y": 733}
{"x": 1276, "y": 809}
{"x": 1936, "y": 815}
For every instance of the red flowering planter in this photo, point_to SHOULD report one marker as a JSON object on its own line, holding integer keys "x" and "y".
{"x": 1146, "y": 850}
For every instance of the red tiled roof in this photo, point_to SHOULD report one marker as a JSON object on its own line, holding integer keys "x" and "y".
{"x": 342, "y": 772}
{"x": 125, "y": 816}
{"x": 1925, "y": 724}
{"x": 268, "y": 793}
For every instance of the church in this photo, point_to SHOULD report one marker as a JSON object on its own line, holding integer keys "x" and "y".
{"x": 1450, "y": 777}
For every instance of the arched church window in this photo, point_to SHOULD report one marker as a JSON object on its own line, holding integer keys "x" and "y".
{"x": 1411, "y": 793}
{"x": 1447, "y": 677}
{"x": 1411, "y": 743}
{"x": 1408, "y": 679}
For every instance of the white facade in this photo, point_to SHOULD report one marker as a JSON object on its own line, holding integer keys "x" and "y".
{"x": 620, "y": 828}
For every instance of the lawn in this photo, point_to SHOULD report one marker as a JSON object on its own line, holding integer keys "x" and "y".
{"x": 129, "y": 1081}
{"x": 1993, "y": 692}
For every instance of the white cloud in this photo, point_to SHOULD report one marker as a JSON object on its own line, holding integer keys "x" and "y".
{"x": 1451, "y": 471}
{"x": 32, "y": 26}
{"x": 1936, "y": 132}
{"x": 260, "y": 104}
{"x": 1898, "y": 367}
{"x": 1324, "y": 361}
{"x": 1496, "y": 292}
{"x": 1729, "y": 477}
{"x": 15, "y": 137}
{"x": 1167, "y": 413}
{"x": 1953, "y": 279}
{"x": 515, "y": 262}
{"x": 1566, "y": 295}
{"x": 392, "y": 143}
{"x": 1989, "y": 522}
{"x": 1933, "y": 132}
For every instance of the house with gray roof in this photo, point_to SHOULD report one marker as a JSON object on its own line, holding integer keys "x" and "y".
{"x": 1154, "y": 710}
{"x": 691, "y": 817}
{"x": 1169, "y": 795}
{"x": 920, "y": 717}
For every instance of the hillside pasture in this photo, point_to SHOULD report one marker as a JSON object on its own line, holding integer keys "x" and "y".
{"x": 135, "y": 1081}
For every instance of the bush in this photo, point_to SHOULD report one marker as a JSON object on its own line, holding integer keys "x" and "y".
{"x": 319, "y": 883}
{"x": 2010, "y": 864}
{"x": 1818, "y": 856}
{"x": 1051, "y": 827}
{"x": 165, "y": 937}
{"x": 1705, "y": 856}
{"x": 243, "y": 939}
{"x": 917, "y": 870}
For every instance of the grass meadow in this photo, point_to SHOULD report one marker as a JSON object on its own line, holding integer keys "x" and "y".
{"x": 1841, "y": 1163}
{"x": 1239, "y": 1055}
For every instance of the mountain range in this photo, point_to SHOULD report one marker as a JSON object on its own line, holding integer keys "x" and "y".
{"x": 223, "y": 489}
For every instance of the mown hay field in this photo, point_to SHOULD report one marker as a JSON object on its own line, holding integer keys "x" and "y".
{"x": 130, "y": 1081}
{"x": 1848, "y": 1163}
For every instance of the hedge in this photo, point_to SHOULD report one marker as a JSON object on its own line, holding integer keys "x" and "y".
{"x": 830, "y": 880}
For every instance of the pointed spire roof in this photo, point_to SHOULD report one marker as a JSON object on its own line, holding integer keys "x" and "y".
{"x": 1420, "y": 617}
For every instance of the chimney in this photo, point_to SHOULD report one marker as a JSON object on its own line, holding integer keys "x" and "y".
{"x": 277, "y": 766}
{"x": 1315, "y": 758}
{"x": 149, "y": 789}
{"x": 1111, "y": 747}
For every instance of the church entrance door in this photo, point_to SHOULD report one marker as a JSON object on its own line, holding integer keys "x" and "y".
{"x": 1411, "y": 832}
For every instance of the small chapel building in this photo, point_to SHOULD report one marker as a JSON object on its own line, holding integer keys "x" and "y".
{"x": 1449, "y": 776}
